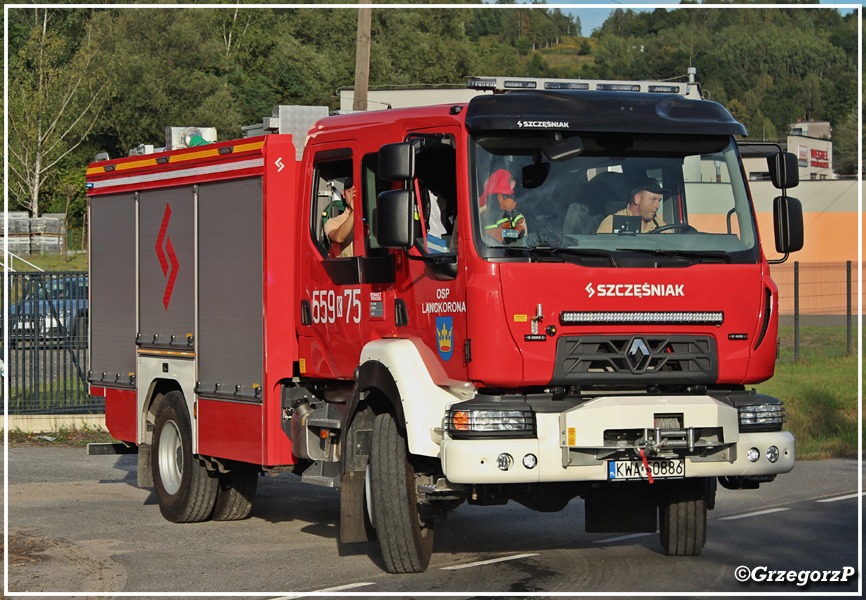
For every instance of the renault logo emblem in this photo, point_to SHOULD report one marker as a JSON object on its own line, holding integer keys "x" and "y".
{"x": 638, "y": 355}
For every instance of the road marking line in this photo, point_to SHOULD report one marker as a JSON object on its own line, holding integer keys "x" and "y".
{"x": 488, "y": 562}
{"x": 754, "y": 514}
{"x": 837, "y": 498}
{"x": 339, "y": 588}
{"x": 622, "y": 537}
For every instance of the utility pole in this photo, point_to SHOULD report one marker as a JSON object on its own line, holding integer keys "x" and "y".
{"x": 362, "y": 56}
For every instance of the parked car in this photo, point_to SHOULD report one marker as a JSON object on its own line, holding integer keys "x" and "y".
{"x": 53, "y": 310}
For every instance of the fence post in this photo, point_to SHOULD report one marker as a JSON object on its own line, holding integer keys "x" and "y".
{"x": 848, "y": 314}
{"x": 796, "y": 310}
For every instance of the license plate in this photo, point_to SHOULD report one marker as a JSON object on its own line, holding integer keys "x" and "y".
{"x": 635, "y": 469}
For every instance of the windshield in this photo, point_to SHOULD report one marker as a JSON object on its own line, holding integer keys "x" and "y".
{"x": 623, "y": 199}
{"x": 59, "y": 289}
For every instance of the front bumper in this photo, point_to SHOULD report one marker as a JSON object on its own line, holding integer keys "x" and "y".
{"x": 573, "y": 445}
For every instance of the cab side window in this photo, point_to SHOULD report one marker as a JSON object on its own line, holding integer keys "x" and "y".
{"x": 331, "y": 218}
{"x": 370, "y": 188}
{"x": 436, "y": 190}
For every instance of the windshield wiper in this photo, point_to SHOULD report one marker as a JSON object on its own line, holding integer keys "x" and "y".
{"x": 576, "y": 252}
{"x": 558, "y": 253}
{"x": 682, "y": 253}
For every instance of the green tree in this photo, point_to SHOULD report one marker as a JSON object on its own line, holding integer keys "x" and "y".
{"x": 56, "y": 96}
{"x": 845, "y": 146}
{"x": 585, "y": 48}
{"x": 172, "y": 71}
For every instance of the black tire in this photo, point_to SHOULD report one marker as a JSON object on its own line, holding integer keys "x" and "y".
{"x": 185, "y": 490}
{"x": 78, "y": 333}
{"x": 237, "y": 489}
{"x": 405, "y": 539}
{"x": 683, "y": 517}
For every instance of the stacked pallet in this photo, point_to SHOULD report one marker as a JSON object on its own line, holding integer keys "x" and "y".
{"x": 42, "y": 235}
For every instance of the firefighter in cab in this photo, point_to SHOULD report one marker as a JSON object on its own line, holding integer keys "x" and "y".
{"x": 502, "y": 223}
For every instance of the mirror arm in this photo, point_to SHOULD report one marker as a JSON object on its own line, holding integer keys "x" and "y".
{"x": 412, "y": 256}
{"x": 436, "y": 259}
{"x": 779, "y": 261}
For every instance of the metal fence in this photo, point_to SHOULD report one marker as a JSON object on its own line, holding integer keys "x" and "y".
{"x": 46, "y": 336}
{"x": 823, "y": 289}
{"x": 822, "y": 294}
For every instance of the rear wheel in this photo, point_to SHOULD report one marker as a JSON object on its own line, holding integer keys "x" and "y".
{"x": 683, "y": 517}
{"x": 185, "y": 490}
{"x": 405, "y": 538}
{"x": 237, "y": 489}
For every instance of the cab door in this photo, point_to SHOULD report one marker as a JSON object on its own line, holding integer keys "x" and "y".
{"x": 330, "y": 288}
{"x": 433, "y": 286}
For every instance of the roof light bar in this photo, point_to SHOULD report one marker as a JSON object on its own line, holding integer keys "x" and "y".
{"x": 481, "y": 84}
{"x": 641, "y": 318}
{"x": 565, "y": 85}
{"x": 618, "y": 87}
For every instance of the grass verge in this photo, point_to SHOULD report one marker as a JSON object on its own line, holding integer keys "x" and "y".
{"x": 64, "y": 436}
{"x": 819, "y": 391}
{"x": 53, "y": 262}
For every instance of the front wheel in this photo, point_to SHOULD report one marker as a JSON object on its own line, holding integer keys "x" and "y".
{"x": 683, "y": 517}
{"x": 405, "y": 538}
{"x": 185, "y": 490}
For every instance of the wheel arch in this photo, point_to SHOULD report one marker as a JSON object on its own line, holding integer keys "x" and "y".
{"x": 375, "y": 393}
{"x": 157, "y": 390}
{"x": 393, "y": 376}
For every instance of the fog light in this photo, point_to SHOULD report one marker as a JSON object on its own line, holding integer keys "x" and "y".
{"x": 504, "y": 462}
{"x": 529, "y": 461}
{"x": 772, "y": 454}
{"x": 754, "y": 454}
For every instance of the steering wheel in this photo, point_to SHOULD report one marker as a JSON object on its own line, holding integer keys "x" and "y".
{"x": 684, "y": 227}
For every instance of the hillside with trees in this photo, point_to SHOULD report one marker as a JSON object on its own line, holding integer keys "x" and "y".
{"x": 88, "y": 80}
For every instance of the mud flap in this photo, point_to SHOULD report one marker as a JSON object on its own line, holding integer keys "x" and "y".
{"x": 145, "y": 468}
{"x": 354, "y": 524}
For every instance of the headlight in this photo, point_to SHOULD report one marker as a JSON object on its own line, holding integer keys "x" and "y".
{"x": 481, "y": 422}
{"x": 761, "y": 417}
{"x": 54, "y": 320}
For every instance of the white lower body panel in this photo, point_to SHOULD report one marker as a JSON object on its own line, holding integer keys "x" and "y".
{"x": 474, "y": 461}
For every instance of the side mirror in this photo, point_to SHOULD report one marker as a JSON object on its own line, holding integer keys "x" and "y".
{"x": 784, "y": 170}
{"x": 397, "y": 162}
{"x": 788, "y": 220}
{"x": 395, "y": 210}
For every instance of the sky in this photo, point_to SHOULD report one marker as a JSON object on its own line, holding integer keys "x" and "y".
{"x": 592, "y": 18}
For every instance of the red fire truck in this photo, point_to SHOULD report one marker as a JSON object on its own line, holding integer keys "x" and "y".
{"x": 544, "y": 295}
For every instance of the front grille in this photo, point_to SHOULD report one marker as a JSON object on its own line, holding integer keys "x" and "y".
{"x": 635, "y": 360}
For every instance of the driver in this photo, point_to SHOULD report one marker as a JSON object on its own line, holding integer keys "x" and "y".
{"x": 644, "y": 200}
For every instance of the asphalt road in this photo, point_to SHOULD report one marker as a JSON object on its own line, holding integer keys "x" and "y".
{"x": 77, "y": 523}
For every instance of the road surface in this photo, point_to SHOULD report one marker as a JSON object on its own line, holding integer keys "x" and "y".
{"x": 78, "y": 523}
